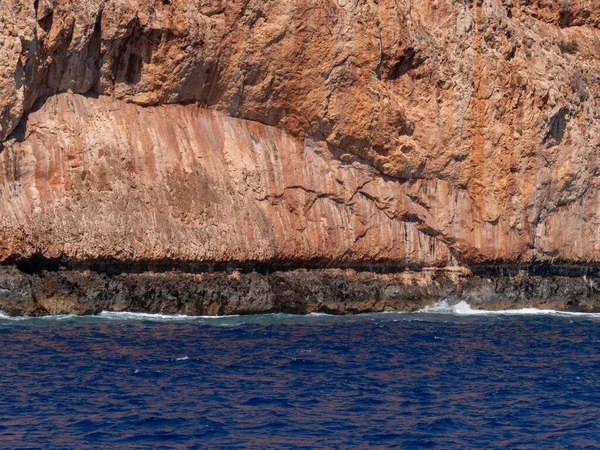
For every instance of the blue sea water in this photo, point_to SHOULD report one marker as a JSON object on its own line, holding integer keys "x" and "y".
{"x": 446, "y": 377}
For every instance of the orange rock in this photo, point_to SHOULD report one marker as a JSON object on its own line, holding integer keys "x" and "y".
{"x": 319, "y": 132}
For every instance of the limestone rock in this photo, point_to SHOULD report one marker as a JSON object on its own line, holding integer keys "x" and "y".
{"x": 302, "y": 133}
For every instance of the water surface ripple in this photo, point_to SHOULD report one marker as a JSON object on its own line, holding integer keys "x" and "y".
{"x": 425, "y": 380}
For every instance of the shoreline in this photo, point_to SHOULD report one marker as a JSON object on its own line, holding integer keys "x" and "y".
{"x": 300, "y": 291}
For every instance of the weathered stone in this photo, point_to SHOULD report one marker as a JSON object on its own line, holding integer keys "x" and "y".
{"x": 332, "y": 291}
{"x": 215, "y": 134}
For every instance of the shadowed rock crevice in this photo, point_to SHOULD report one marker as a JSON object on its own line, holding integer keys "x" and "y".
{"x": 46, "y": 21}
{"x": 557, "y": 126}
{"x": 19, "y": 133}
{"x": 38, "y": 264}
{"x": 407, "y": 62}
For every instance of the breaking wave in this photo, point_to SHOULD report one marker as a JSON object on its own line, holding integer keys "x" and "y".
{"x": 462, "y": 308}
{"x": 124, "y": 315}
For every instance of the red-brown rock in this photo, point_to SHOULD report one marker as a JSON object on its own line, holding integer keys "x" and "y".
{"x": 386, "y": 134}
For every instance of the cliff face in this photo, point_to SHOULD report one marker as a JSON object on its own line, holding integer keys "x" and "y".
{"x": 399, "y": 133}
{"x": 100, "y": 178}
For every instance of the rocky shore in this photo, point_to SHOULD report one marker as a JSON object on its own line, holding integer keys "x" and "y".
{"x": 346, "y": 156}
{"x": 333, "y": 291}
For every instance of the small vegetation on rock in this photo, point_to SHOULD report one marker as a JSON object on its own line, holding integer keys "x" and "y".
{"x": 579, "y": 85}
{"x": 568, "y": 47}
{"x": 565, "y": 6}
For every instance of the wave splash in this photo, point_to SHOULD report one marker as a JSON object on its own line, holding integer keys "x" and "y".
{"x": 114, "y": 315}
{"x": 158, "y": 317}
{"x": 125, "y": 315}
{"x": 462, "y": 308}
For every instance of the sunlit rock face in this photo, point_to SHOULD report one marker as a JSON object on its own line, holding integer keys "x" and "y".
{"x": 101, "y": 178}
{"x": 389, "y": 134}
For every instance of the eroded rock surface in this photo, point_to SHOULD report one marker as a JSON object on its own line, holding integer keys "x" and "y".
{"x": 100, "y": 178}
{"x": 331, "y": 291}
{"x": 392, "y": 134}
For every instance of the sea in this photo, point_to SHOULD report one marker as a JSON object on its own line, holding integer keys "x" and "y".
{"x": 445, "y": 377}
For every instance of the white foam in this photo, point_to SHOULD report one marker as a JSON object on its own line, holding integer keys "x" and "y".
{"x": 59, "y": 317}
{"x": 185, "y": 358}
{"x": 4, "y": 316}
{"x": 462, "y": 308}
{"x": 125, "y": 315}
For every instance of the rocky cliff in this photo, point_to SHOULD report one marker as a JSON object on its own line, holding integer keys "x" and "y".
{"x": 389, "y": 135}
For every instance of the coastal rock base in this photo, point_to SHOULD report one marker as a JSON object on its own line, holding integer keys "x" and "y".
{"x": 333, "y": 291}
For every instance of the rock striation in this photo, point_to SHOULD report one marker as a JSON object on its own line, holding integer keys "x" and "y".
{"x": 396, "y": 138}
